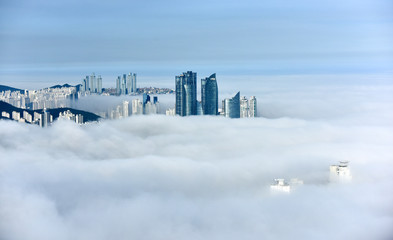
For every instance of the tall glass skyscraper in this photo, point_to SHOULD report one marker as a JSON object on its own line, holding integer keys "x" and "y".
{"x": 131, "y": 83}
{"x": 209, "y": 93}
{"x": 232, "y": 106}
{"x": 186, "y": 103}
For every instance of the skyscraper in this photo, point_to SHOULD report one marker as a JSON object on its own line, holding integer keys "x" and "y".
{"x": 137, "y": 107}
{"x": 124, "y": 84}
{"x": 129, "y": 83}
{"x": 125, "y": 108}
{"x": 232, "y": 106}
{"x": 253, "y": 107}
{"x": 133, "y": 83}
{"x": 186, "y": 103}
{"x": 118, "y": 85}
{"x": 209, "y": 94}
{"x": 93, "y": 83}
{"x": 85, "y": 84}
{"x": 45, "y": 118}
{"x": 244, "y": 108}
{"x": 99, "y": 84}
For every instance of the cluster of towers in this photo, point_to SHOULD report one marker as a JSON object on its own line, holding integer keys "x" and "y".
{"x": 147, "y": 106}
{"x": 187, "y": 104}
{"x": 126, "y": 84}
{"x": 186, "y": 95}
{"x": 248, "y": 108}
{"x": 92, "y": 84}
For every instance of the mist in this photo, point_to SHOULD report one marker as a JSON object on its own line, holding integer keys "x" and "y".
{"x": 202, "y": 177}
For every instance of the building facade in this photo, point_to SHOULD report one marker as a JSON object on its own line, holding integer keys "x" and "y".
{"x": 126, "y": 84}
{"x": 253, "y": 107}
{"x": 209, "y": 95}
{"x": 232, "y": 106}
{"x": 186, "y": 93}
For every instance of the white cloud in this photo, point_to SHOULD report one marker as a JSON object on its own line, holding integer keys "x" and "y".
{"x": 157, "y": 177}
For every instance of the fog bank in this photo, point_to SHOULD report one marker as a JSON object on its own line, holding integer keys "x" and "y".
{"x": 158, "y": 177}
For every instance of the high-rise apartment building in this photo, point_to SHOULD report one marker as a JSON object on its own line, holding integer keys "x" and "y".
{"x": 125, "y": 110}
{"x": 248, "y": 108}
{"x": 209, "y": 95}
{"x": 232, "y": 106}
{"x": 92, "y": 84}
{"x": 45, "y": 118}
{"x": 253, "y": 107}
{"x": 118, "y": 85}
{"x": 126, "y": 84}
{"x": 244, "y": 108}
{"x": 99, "y": 84}
{"x": 131, "y": 83}
{"x": 137, "y": 107}
{"x": 186, "y": 87}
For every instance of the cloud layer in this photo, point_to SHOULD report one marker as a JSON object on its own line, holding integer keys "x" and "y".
{"x": 157, "y": 177}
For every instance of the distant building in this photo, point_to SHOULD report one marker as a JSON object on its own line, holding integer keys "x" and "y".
{"x": 248, "y": 108}
{"x": 99, "y": 84}
{"x": 186, "y": 87}
{"x": 232, "y": 106}
{"x": 131, "y": 83}
{"x": 5, "y": 114}
{"x": 27, "y": 116}
{"x": 150, "y": 107}
{"x": 244, "y": 109}
{"x": 15, "y": 115}
{"x": 209, "y": 95}
{"x": 86, "y": 84}
{"x": 45, "y": 118}
{"x": 92, "y": 84}
{"x": 37, "y": 117}
{"x": 125, "y": 112}
{"x": 126, "y": 84}
{"x": 123, "y": 84}
{"x": 253, "y": 107}
{"x": 78, "y": 118}
{"x": 170, "y": 112}
{"x": 137, "y": 107}
{"x": 118, "y": 85}
{"x": 340, "y": 172}
{"x": 280, "y": 185}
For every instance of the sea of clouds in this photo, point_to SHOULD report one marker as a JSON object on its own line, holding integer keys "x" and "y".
{"x": 201, "y": 177}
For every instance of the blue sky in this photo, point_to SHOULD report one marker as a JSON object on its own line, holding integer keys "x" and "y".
{"x": 43, "y": 38}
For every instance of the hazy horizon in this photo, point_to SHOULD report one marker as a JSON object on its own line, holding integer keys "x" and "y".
{"x": 66, "y": 40}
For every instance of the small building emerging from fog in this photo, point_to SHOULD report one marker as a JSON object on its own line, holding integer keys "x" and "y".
{"x": 280, "y": 185}
{"x": 340, "y": 172}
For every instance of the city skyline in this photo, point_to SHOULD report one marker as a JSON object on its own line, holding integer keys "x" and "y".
{"x": 66, "y": 96}
{"x": 195, "y": 120}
